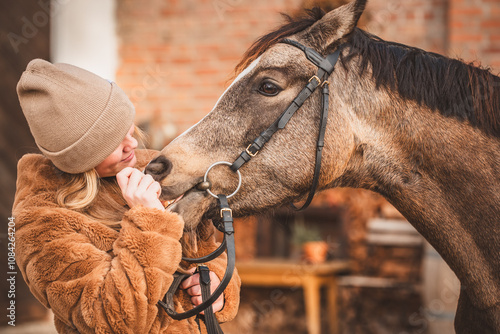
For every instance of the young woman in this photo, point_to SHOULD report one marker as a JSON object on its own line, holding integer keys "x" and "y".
{"x": 94, "y": 242}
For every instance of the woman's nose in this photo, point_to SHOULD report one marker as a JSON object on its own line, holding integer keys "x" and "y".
{"x": 130, "y": 143}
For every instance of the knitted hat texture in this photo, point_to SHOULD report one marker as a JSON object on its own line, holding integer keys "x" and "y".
{"x": 76, "y": 117}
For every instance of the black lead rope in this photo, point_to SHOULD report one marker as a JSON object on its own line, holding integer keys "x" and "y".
{"x": 325, "y": 66}
{"x": 167, "y": 304}
{"x": 209, "y": 318}
{"x": 210, "y": 256}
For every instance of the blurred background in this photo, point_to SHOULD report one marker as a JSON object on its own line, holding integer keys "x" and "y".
{"x": 174, "y": 59}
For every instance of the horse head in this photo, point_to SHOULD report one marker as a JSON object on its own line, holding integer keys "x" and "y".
{"x": 274, "y": 74}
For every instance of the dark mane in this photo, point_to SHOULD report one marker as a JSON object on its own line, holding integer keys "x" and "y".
{"x": 452, "y": 87}
{"x": 292, "y": 27}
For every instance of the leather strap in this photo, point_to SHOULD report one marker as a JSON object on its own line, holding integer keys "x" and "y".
{"x": 169, "y": 296}
{"x": 209, "y": 318}
{"x": 168, "y": 303}
{"x": 319, "y": 146}
{"x": 211, "y": 322}
{"x": 210, "y": 256}
{"x": 313, "y": 83}
{"x": 313, "y": 56}
{"x": 325, "y": 68}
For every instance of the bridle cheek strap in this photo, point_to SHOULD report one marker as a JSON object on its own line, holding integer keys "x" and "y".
{"x": 319, "y": 146}
{"x": 325, "y": 65}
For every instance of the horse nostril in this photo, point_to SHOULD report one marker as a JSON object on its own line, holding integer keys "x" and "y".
{"x": 159, "y": 168}
{"x": 155, "y": 168}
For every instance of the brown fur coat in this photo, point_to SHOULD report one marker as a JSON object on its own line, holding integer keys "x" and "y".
{"x": 94, "y": 278}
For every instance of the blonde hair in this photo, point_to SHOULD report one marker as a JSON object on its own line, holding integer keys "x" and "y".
{"x": 82, "y": 190}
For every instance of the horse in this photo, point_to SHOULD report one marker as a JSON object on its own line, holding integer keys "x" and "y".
{"x": 418, "y": 128}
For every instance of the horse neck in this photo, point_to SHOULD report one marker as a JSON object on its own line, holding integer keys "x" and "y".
{"x": 443, "y": 176}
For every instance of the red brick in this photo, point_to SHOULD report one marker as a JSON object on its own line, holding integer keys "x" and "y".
{"x": 429, "y": 16}
{"x": 491, "y": 23}
{"x": 466, "y": 12}
{"x": 491, "y": 51}
{"x": 456, "y": 24}
{"x": 466, "y": 38}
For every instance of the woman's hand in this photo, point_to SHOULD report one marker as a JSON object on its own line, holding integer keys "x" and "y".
{"x": 193, "y": 288}
{"x": 139, "y": 188}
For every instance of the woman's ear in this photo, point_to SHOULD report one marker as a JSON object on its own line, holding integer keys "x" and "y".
{"x": 335, "y": 25}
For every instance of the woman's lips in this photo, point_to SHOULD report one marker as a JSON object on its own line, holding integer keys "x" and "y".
{"x": 130, "y": 157}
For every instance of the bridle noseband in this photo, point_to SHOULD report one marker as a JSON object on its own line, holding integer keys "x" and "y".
{"x": 325, "y": 66}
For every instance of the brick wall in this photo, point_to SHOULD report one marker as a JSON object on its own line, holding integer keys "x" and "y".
{"x": 420, "y": 23}
{"x": 177, "y": 57}
{"x": 474, "y": 31}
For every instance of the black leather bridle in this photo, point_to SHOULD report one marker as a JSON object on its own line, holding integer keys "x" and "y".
{"x": 325, "y": 66}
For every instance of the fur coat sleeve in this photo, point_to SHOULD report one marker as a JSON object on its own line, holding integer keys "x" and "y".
{"x": 94, "y": 278}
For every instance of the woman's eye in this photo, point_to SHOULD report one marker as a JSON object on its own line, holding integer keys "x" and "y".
{"x": 269, "y": 89}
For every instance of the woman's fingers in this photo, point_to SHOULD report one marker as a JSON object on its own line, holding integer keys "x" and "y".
{"x": 193, "y": 288}
{"x": 133, "y": 182}
{"x": 216, "y": 306}
{"x": 122, "y": 178}
{"x": 219, "y": 304}
{"x": 139, "y": 189}
{"x": 194, "y": 281}
{"x": 155, "y": 188}
{"x": 190, "y": 281}
{"x": 144, "y": 183}
{"x": 214, "y": 281}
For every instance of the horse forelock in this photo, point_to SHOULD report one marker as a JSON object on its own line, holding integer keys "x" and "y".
{"x": 450, "y": 86}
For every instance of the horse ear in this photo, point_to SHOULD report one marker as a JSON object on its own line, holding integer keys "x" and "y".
{"x": 336, "y": 24}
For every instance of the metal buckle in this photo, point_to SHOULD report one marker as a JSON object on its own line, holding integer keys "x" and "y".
{"x": 325, "y": 83}
{"x": 250, "y": 153}
{"x": 226, "y": 209}
{"x": 315, "y": 77}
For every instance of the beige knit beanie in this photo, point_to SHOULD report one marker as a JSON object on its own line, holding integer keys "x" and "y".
{"x": 76, "y": 117}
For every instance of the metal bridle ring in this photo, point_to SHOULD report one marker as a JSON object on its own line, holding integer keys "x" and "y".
{"x": 222, "y": 163}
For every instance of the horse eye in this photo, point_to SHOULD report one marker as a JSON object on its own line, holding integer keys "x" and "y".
{"x": 269, "y": 89}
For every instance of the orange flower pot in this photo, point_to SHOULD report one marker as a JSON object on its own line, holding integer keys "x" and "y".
{"x": 315, "y": 251}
